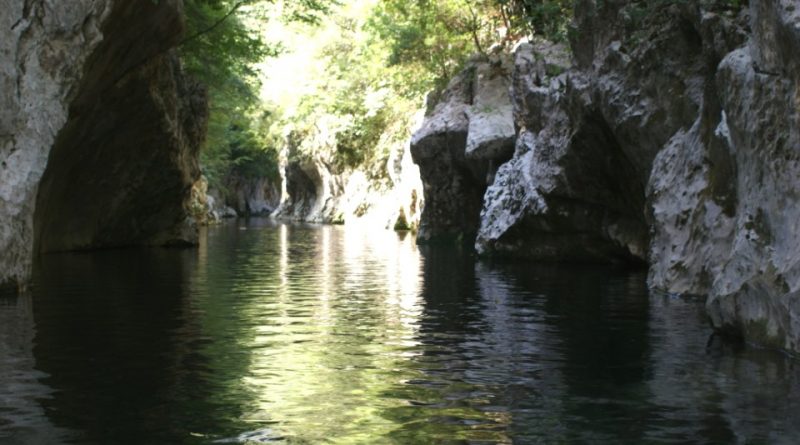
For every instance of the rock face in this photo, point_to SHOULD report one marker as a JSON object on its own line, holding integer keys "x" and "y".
{"x": 570, "y": 192}
{"x": 246, "y": 197}
{"x": 99, "y": 130}
{"x": 386, "y": 195}
{"x": 756, "y": 288}
{"x": 459, "y": 146}
{"x": 671, "y": 137}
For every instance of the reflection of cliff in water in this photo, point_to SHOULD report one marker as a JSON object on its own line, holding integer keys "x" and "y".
{"x": 312, "y": 333}
{"x": 22, "y": 418}
{"x": 721, "y": 385}
{"x": 126, "y": 314}
{"x": 547, "y": 352}
{"x": 538, "y": 348}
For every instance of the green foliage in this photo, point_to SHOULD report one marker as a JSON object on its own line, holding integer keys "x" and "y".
{"x": 360, "y": 72}
{"x": 241, "y": 147}
{"x": 548, "y": 19}
{"x": 309, "y": 11}
{"x": 222, "y": 51}
{"x": 432, "y": 39}
{"x": 351, "y": 107}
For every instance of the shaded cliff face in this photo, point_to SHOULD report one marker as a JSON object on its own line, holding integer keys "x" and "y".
{"x": 252, "y": 196}
{"x": 41, "y": 63}
{"x": 459, "y": 146}
{"x": 101, "y": 125}
{"x": 672, "y": 137}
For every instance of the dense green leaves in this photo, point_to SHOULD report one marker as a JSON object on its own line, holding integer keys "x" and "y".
{"x": 544, "y": 18}
{"x": 360, "y": 70}
{"x": 432, "y": 39}
{"x": 222, "y": 48}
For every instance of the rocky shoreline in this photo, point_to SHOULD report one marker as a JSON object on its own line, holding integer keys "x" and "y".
{"x": 672, "y": 141}
{"x": 662, "y": 134}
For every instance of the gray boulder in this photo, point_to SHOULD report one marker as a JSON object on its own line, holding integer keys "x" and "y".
{"x": 459, "y": 147}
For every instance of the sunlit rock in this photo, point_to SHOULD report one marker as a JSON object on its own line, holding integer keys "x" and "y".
{"x": 460, "y": 145}
{"x": 100, "y": 123}
{"x": 383, "y": 196}
{"x": 673, "y": 140}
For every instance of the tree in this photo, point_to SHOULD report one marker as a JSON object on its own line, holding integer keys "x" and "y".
{"x": 544, "y": 18}
{"x": 221, "y": 50}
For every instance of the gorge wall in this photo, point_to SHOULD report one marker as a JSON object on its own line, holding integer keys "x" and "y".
{"x": 99, "y": 128}
{"x": 668, "y": 134}
{"x": 387, "y": 194}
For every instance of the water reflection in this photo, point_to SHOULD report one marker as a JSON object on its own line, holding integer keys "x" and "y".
{"x": 306, "y": 334}
{"x": 22, "y": 418}
{"x": 321, "y": 329}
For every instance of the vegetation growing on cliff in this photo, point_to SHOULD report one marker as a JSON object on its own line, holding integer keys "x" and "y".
{"x": 222, "y": 49}
{"x": 335, "y": 79}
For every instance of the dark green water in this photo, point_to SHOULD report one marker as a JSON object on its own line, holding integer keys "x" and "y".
{"x": 276, "y": 333}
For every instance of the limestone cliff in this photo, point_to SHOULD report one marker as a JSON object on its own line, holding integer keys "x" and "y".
{"x": 384, "y": 194}
{"x": 99, "y": 128}
{"x": 668, "y": 133}
{"x": 459, "y": 146}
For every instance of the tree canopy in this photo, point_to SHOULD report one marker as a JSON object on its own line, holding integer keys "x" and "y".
{"x": 346, "y": 77}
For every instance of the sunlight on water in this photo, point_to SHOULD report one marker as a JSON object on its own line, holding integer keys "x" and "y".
{"x": 350, "y": 313}
{"x": 312, "y": 334}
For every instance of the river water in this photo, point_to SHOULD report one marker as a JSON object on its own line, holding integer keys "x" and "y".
{"x": 317, "y": 334}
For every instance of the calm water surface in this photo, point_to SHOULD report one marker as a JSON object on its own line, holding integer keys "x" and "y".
{"x": 306, "y": 335}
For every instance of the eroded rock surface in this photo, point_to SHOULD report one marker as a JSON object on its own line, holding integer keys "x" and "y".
{"x": 42, "y": 54}
{"x": 318, "y": 190}
{"x": 570, "y": 192}
{"x": 100, "y": 123}
{"x": 459, "y": 146}
{"x": 669, "y": 134}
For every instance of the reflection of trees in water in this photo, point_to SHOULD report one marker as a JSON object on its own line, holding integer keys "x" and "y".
{"x": 326, "y": 315}
{"x": 323, "y": 333}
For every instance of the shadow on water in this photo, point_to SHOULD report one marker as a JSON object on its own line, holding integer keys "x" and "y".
{"x": 117, "y": 338}
{"x": 307, "y": 334}
{"x": 517, "y": 339}
{"x": 22, "y": 417}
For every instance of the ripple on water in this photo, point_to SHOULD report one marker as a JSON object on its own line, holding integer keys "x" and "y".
{"x": 306, "y": 334}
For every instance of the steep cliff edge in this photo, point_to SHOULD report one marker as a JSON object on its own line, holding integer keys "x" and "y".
{"x": 672, "y": 137}
{"x": 99, "y": 131}
{"x": 459, "y": 146}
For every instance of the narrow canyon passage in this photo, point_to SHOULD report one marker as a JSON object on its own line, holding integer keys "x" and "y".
{"x": 290, "y": 333}
{"x": 401, "y": 222}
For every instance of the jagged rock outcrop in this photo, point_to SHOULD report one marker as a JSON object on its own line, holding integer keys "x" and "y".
{"x": 36, "y": 80}
{"x": 569, "y": 193}
{"x": 384, "y": 195}
{"x": 459, "y": 146}
{"x": 313, "y": 189}
{"x": 99, "y": 130}
{"x": 205, "y": 206}
{"x": 756, "y": 291}
{"x": 246, "y": 196}
{"x": 671, "y": 137}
